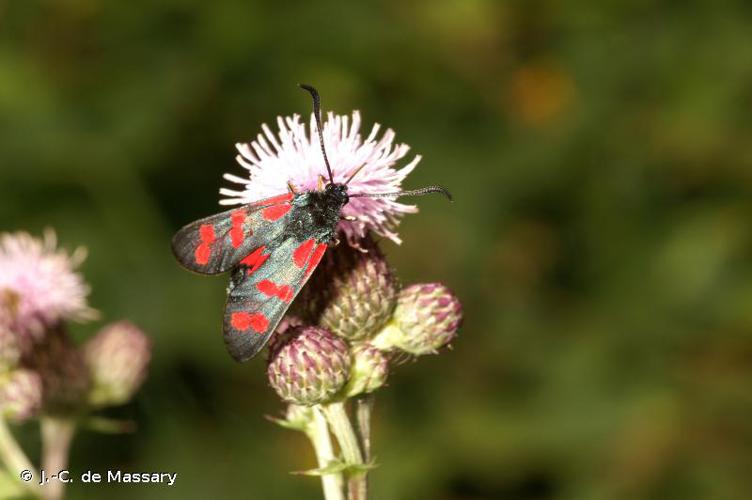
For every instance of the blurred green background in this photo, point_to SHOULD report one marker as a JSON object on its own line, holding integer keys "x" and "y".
{"x": 601, "y": 161}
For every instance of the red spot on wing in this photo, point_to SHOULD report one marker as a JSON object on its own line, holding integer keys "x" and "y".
{"x": 206, "y": 232}
{"x": 315, "y": 258}
{"x": 243, "y": 321}
{"x": 255, "y": 260}
{"x": 203, "y": 250}
{"x": 300, "y": 255}
{"x": 276, "y": 211}
{"x": 236, "y": 232}
{"x": 276, "y": 199}
{"x": 270, "y": 289}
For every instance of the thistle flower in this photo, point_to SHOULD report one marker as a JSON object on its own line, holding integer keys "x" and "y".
{"x": 352, "y": 293}
{"x": 117, "y": 359}
{"x": 20, "y": 395}
{"x": 426, "y": 318}
{"x": 38, "y": 284}
{"x": 293, "y": 155}
{"x": 368, "y": 371}
{"x": 307, "y": 365}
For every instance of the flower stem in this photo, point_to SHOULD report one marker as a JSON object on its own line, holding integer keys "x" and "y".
{"x": 318, "y": 432}
{"x": 12, "y": 454}
{"x": 339, "y": 422}
{"x": 363, "y": 412}
{"x": 363, "y": 408}
{"x": 57, "y": 434}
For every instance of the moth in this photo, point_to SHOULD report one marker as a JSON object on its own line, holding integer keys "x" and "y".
{"x": 270, "y": 247}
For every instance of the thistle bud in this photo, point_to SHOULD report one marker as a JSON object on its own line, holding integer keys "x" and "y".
{"x": 10, "y": 352}
{"x": 353, "y": 292}
{"x": 308, "y": 365}
{"x": 368, "y": 372}
{"x": 20, "y": 395}
{"x": 426, "y": 318}
{"x": 65, "y": 380}
{"x": 117, "y": 359}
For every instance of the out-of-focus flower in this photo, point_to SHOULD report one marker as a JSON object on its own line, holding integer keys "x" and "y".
{"x": 308, "y": 365}
{"x": 65, "y": 379}
{"x": 20, "y": 395}
{"x": 352, "y": 293}
{"x": 368, "y": 371}
{"x": 426, "y": 318}
{"x": 117, "y": 359}
{"x": 293, "y": 154}
{"x": 38, "y": 284}
{"x": 10, "y": 353}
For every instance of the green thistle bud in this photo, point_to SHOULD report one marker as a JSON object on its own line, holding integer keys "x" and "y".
{"x": 20, "y": 395}
{"x": 368, "y": 372}
{"x": 117, "y": 359}
{"x": 65, "y": 380}
{"x": 308, "y": 365}
{"x": 352, "y": 293}
{"x": 426, "y": 318}
{"x": 10, "y": 352}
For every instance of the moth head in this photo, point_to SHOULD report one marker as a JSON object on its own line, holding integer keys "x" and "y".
{"x": 337, "y": 192}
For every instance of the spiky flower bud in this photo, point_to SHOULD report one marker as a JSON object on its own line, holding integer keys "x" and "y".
{"x": 10, "y": 352}
{"x": 308, "y": 365}
{"x": 368, "y": 371}
{"x": 353, "y": 292}
{"x": 20, "y": 395}
{"x": 65, "y": 380}
{"x": 426, "y": 318}
{"x": 117, "y": 359}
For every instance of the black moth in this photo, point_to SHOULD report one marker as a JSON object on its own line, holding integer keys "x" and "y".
{"x": 271, "y": 247}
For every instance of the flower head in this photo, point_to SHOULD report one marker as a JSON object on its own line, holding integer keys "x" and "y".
{"x": 117, "y": 359}
{"x": 308, "y": 365}
{"x": 38, "y": 284}
{"x": 60, "y": 364}
{"x": 353, "y": 291}
{"x": 368, "y": 372}
{"x": 426, "y": 318}
{"x": 20, "y": 395}
{"x": 293, "y": 155}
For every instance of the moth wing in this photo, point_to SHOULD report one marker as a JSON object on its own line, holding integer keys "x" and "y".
{"x": 261, "y": 290}
{"x": 215, "y": 244}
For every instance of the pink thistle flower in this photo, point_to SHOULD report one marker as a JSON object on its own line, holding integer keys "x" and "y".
{"x": 294, "y": 155}
{"x": 38, "y": 284}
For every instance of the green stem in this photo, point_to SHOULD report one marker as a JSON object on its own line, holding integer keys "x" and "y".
{"x": 363, "y": 411}
{"x": 318, "y": 432}
{"x": 13, "y": 456}
{"x": 363, "y": 408}
{"x": 57, "y": 434}
{"x": 339, "y": 422}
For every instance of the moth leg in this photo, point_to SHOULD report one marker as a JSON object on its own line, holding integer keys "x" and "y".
{"x": 335, "y": 242}
{"x": 291, "y": 187}
{"x": 321, "y": 183}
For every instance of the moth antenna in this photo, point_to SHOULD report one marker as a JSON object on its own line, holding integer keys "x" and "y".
{"x": 317, "y": 114}
{"x": 413, "y": 192}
